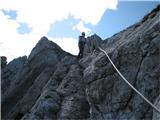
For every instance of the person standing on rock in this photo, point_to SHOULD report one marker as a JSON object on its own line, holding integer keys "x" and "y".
{"x": 82, "y": 41}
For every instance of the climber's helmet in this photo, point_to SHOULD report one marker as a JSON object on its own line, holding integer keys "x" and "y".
{"x": 83, "y": 33}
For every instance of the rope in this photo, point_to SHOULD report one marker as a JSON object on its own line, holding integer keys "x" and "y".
{"x": 144, "y": 98}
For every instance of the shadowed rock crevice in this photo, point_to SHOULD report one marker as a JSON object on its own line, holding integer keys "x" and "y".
{"x": 19, "y": 116}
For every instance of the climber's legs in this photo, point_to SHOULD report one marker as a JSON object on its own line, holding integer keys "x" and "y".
{"x": 81, "y": 48}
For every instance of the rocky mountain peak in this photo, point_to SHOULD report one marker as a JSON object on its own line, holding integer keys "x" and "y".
{"x": 92, "y": 43}
{"x": 53, "y": 84}
{"x": 45, "y": 46}
{"x": 45, "y": 43}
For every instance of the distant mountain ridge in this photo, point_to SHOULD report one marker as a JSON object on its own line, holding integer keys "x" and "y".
{"x": 55, "y": 85}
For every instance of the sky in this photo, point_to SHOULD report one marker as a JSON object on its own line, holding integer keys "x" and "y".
{"x": 24, "y": 22}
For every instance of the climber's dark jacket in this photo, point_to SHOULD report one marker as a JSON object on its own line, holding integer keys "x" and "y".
{"x": 82, "y": 41}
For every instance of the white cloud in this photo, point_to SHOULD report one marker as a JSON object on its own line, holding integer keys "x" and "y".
{"x": 13, "y": 44}
{"x": 39, "y": 15}
{"x": 68, "y": 44}
{"x": 80, "y": 27}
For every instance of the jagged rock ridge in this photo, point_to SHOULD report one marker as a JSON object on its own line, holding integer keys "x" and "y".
{"x": 53, "y": 84}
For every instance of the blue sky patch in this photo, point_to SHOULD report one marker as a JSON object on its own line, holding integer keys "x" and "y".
{"x": 63, "y": 28}
{"x": 11, "y": 13}
{"x": 24, "y": 28}
{"x": 127, "y": 13}
{"x": 113, "y": 21}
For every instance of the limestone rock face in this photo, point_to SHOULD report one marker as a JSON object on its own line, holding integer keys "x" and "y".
{"x": 9, "y": 72}
{"x": 23, "y": 85}
{"x": 92, "y": 44}
{"x": 53, "y": 84}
